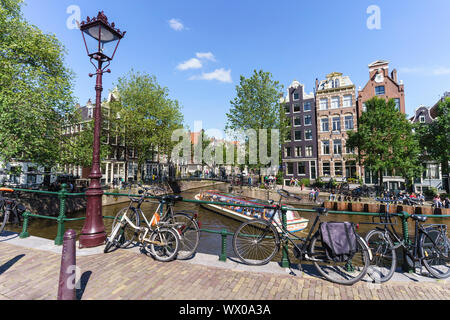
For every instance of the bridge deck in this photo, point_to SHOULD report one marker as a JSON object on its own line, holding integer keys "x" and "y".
{"x": 27, "y": 273}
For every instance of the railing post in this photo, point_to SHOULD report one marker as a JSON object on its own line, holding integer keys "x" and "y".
{"x": 24, "y": 234}
{"x": 223, "y": 254}
{"x": 405, "y": 230}
{"x": 285, "y": 252}
{"x": 62, "y": 215}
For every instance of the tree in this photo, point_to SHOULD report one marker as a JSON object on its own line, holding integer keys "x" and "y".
{"x": 435, "y": 139}
{"x": 35, "y": 89}
{"x": 256, "y": 106}
{"x": 385, "y": 140}
{"x": 147, "y": 116}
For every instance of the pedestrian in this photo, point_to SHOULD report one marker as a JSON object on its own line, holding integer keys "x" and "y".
{"x": 316, "y": 195}
{"x": 446, "y": 203}
{"x": 437, "y": 201}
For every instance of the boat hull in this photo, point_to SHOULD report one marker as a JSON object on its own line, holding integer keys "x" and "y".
{"x": 295, "y": 225}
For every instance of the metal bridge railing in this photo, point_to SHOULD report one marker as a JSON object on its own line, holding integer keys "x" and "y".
{"x": 63, "y": 195}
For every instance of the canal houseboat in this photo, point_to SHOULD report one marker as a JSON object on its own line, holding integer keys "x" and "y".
{"x": 294, "y": 223}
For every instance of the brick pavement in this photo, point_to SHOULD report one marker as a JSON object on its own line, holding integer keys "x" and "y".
{"x": 33, "y": 274}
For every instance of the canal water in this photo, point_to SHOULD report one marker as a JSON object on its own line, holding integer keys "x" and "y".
{"x": 210, "y": 243}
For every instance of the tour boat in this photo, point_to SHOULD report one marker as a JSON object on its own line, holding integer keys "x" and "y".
{"x": 294, "y": 223}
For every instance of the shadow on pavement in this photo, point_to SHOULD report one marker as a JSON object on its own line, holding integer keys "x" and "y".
{"x": 10, "y": 263}
{"x": 82, "y": 283}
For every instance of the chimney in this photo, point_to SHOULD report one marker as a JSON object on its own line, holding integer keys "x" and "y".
{"x": 394, "y": 75}
{"x": 317, "y": 84}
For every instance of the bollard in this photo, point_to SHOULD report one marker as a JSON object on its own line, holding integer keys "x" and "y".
{"x": 62, "y": 214}
{"x": 67, "y": 275}
{"x": 223, "y": 255}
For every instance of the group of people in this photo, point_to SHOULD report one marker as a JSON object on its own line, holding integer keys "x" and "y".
{"x": 438, "y": 202}
{"x": 314, "y": 194}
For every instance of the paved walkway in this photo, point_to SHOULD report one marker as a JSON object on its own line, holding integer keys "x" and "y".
{"x": 31, "y": 273}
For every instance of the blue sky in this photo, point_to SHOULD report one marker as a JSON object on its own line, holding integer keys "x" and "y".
{"x": 199, "y": 49}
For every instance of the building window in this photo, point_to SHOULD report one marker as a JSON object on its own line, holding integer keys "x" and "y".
{"x": 308, "y": 120}
{"x": 349, "y": 150}
{"x": 308, "y": 134}
{"x": 326, "y": 169}
{"x": 337, "y": 147}
{"x": 287, "y": 152}
{"x": 422, "y": 119}
{"x": 90, "y": 112}
{"x": 287, "y": 108}
{"x": 334, "y": 102}
{"x": 308, "y": 151}
{"x": 325, "y": 147}
{"x": 338, "y": 168}
{"x": 432, "y": 171}
{"x": 324, "y": 125}
{"x": 290, "y": 169}
{"x": 298, "y": 135}
{"x": 397, "y": 103}
{"x": 313, "y": 169}
{"x": 379, "y": 91}
{"x": 296, "y": 107}
{"x": 348, "y": 100}
{"x": 364, "y": 107}
{"x": 297, "y": 121}
{"x": 348, "y": 123}
{"x": 323, "y": 104}
{"x": 301, "y": 169}
{"x": 298, "y": 152}
{"x": 296, "y": 96}
{"x": 307, "y": 106}
{"x": 337, "y": 124}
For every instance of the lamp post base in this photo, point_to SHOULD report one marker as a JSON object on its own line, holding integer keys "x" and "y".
{"x": 92, "y": 240}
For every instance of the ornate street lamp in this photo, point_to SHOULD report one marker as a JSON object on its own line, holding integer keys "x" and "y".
{"x": 102, "y": 37}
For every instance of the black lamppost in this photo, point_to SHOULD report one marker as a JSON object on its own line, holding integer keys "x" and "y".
{"x": 102, "y": 37}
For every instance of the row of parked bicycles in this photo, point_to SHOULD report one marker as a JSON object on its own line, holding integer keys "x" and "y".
{"x": 336, "y": 250}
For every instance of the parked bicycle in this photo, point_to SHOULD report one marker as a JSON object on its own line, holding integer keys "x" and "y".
{"x": 257, "y": 241}
{"x": 185, "y": 223}
{"x": 10, "y": 210}
{"x": 430, "y": 247}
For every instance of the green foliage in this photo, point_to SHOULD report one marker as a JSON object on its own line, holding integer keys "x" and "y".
{"x": 35, "y": 89}
{"x": 305, "y": 182}
{"x": 256, "y": 106}
{"x": 385, "y": 140}
{"x": 435, "y": 137}
{"x": 147, "y": 115}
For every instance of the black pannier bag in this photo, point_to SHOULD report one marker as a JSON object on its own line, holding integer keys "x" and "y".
{"x": 339, "y": 240}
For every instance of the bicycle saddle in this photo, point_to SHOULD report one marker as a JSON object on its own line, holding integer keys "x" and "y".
{"x": 172, "y": 198}
{"x": 419, "y": 218}
{"x": 321, "y": 211}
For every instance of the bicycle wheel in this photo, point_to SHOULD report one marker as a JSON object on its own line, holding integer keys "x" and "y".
{"x": 346, "y": 273}
{"x": 115, "y": 239}
{"x": 189, "y": 232}
{"x": 384, "y": 261}
{"x": 256, "y": 242}
{"x": 4, "y": 217}
{"x": 164, "y": 244}
{"x": 129, "y": 233}
{"x": 436, "y": 255}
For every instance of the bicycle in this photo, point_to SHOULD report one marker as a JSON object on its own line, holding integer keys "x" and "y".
{"x": 256, "y": 242}
{"x": 430, "y": 248}
{"x": 10, "y": 209}
{"x": 185, "y": 223}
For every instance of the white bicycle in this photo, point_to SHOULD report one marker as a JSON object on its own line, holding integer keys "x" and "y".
{"x": 161, "y": 237}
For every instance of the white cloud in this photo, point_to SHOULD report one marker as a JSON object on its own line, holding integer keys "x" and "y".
{"x": 206, "y": 55}
{"x": 221, "y": 75}
{"x": 441, "y": 71}
{"x": 176, "y": 24}
{"x": 193, "y": 63}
